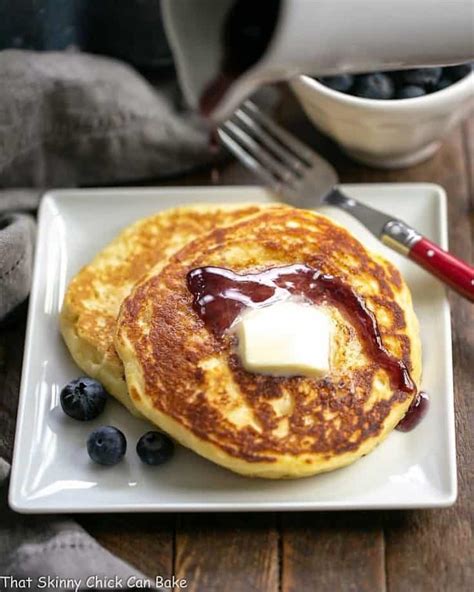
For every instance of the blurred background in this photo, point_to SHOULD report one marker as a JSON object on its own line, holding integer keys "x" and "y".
{"x": 131, "y": 30}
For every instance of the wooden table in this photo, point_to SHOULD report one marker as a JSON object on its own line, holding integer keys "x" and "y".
{"x": 399, "y": 551}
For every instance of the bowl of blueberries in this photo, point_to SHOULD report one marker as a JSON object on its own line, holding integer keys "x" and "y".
{"x": 389, "y": 119}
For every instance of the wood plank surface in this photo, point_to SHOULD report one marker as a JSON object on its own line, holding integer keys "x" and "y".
{"x": 341, "y": 551}
{"x": 228, "y": 553}
{"x": 144, "y": 540}
{"x": 12, "y": 337}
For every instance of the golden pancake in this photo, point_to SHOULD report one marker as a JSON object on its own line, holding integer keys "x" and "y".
{"x": 189, "y": 381}
{"x": 94, "y": 296}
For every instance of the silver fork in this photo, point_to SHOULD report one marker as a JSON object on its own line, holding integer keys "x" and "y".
{"x": 303, "y": 179}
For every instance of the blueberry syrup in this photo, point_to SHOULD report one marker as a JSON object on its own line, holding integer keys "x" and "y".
{"x": 219, "y": 295}
{"x": 416, "y": 412}
{"x": 213, "y": 141}
{"x": 247, "y": 32}
{"x": 214, "y": 92}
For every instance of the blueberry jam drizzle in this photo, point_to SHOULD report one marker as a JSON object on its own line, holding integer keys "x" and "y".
{"x": 219, "y": 295}
{"x": 247, "y": 31}
{"x": 416, "y": 412}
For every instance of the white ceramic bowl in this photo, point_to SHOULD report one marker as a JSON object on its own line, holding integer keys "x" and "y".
{"x": 386, "y": 134}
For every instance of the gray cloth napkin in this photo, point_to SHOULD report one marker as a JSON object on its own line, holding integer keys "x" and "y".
{"x": 17, "y": 235}
{"x": 71, "y": 119}
{"x": 38, "y": 547}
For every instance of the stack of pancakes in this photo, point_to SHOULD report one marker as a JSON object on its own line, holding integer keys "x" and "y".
{"x": 128, "y": 321}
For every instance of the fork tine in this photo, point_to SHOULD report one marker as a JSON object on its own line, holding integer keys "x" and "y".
{"x": 260, "y": 153}
{"x": 285, "y": 137}
{"x": 248, "y": 160}
{"x": 269, "y": 141}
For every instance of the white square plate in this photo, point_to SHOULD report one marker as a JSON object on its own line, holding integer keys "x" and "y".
{"x": 51, "y": 470}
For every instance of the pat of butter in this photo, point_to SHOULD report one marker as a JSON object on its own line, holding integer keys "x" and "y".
{"x": 285, "y": 339}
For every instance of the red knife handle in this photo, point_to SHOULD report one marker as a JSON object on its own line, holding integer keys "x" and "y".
{"x": 458, "y": 274}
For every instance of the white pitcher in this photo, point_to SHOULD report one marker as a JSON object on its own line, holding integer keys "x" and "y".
{"x": 318, "y": 37}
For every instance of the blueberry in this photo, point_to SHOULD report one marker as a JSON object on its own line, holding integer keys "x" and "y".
{"x": 342, "y": 83}
{"x": 421, "y": 76}
{"x": 374, "y": 86}
{"x": 106, "y": 445}
{"x": 455, "y": 73}
{"x": 155, "y": 448}
{"x": 83, "y": 399}
{"x": 410, "y": 92}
